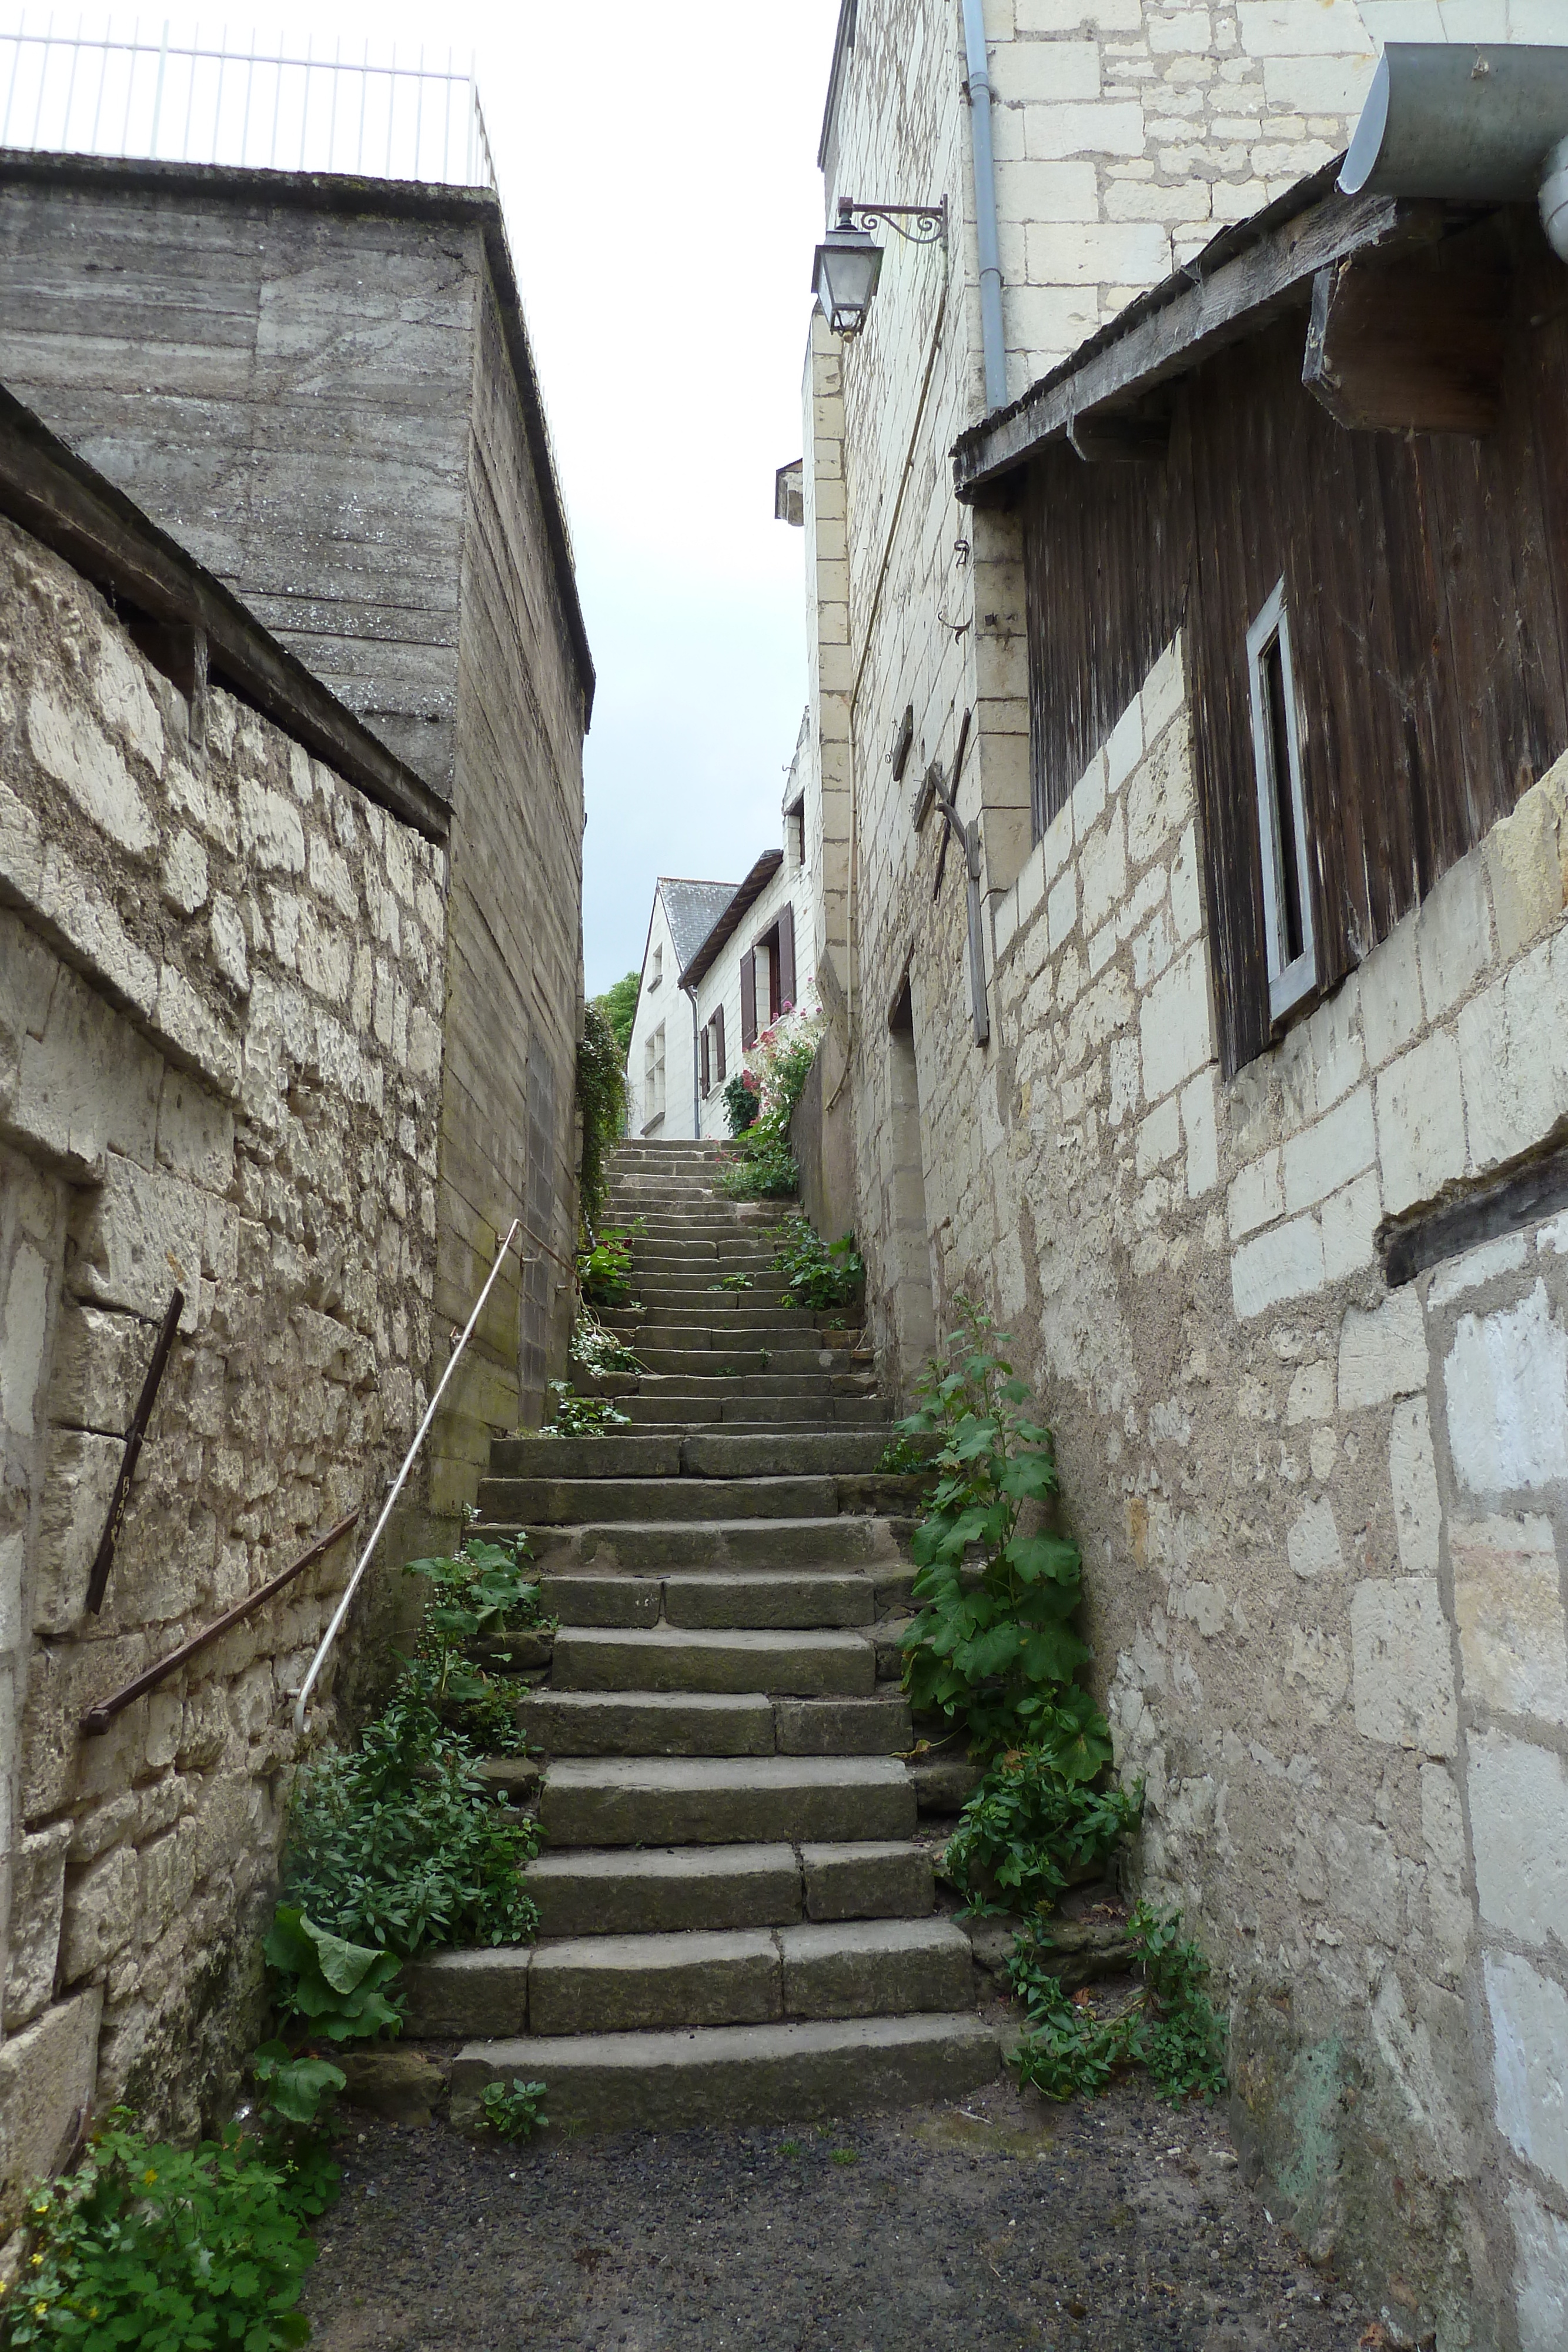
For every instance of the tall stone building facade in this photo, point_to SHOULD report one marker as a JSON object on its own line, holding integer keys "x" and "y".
{"x": 323, "y": 387}
{"x": 1281, "y": 1272}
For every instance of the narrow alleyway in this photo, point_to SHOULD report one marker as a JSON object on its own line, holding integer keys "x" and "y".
{"x": 775, "y": 2059}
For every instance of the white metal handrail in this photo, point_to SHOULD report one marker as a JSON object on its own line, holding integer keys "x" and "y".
{"x": 331, "y": 1635}
{"x": 181, "y": 101}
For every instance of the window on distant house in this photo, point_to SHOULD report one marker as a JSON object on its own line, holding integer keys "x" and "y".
{"x": 654, "y": 1078}
{"x": 656, "y": 968}
{"x": 1281, "y": 816}
{"x": 795, "y": 837}
{"x": 713, "y": 1072}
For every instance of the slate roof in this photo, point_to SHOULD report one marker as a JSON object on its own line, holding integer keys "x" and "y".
{"x": 691, "y": 909}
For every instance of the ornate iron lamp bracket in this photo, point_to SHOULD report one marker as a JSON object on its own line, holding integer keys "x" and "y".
{"x": 927, "y": 223}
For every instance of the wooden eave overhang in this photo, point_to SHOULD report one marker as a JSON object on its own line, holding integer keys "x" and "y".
{"x": 728, "y": 923}
{"x": 58, "y": 498}
{"x": 1242, "y": 279}
{"x": 342, "y": 191}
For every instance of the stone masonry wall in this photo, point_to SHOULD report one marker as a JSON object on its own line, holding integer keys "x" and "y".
{"x": 221, "y": 985}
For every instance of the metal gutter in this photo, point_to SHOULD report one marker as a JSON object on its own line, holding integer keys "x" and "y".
{"x": 992, "y": 338}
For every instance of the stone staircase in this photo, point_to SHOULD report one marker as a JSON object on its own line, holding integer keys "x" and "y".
{"x": 737, "y": 1919}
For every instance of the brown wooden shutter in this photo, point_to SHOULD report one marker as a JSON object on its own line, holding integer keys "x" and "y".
{"x": 786, "y": 955}
{"x": 704, "y": 1062}
{"x": 748, "y": 1001}
{"x": 719, "y": 1043}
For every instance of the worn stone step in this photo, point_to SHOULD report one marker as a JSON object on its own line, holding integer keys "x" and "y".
{"x": 781, "y": 1599}
{"x": 575, "y": 1501}
{"x": 750, "y": 1597}
{"x": 871, "y": 1968}
{"x": 844, "y": 1453}
{"x": 693, "y": 1289}
{"x": 620, "y": 1984}
{"x": 711, "y": 1386}
{"x": 720, "y": 1801}
{"x": 712, "y": 1723}
{"x": 847, "y": 1539}
{"x": 668, "y": 1658}
{"x": 632, "y": 1890}
{"x": 648, "y": 1722}
{"x": 686, "y": 2078}
{"x": 647, "y": 1890}
{"x": 743, "y": 1359}
{"x": 723, "y": 1312}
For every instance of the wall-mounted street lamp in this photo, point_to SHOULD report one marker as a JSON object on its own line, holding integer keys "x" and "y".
{"x": 849, "y": 259}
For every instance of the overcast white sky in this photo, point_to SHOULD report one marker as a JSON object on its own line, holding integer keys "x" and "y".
{"x": 658, "y": 169}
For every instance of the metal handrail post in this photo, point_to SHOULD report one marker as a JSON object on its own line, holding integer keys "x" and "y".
{"x": 331, "y": 1635}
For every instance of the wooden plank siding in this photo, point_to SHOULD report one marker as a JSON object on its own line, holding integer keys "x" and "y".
{"x": 1426, "y": 579}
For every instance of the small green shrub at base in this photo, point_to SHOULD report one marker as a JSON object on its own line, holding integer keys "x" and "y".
{"x": 820, "y": 1273}
{"x": 742, "y": 1101}
{"x": 581, "y": 1416}
{"x": 994, "y": 1647}
{"x": 901, "y": 1456}
{"x": 1029, "y": 1832}
{"x": 165, "y": 2251}
{"x": 599, "y": 1351}
{"x": 336, "y": 1989}
{"x": 604, "y": 1266}
{"x": 732, "y": 1282}
{"x": 1170, "y": 2026}
{"x": 515, "y": 2109}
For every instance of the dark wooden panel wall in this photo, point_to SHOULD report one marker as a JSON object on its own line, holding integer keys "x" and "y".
{"x": 1427, "y": 582}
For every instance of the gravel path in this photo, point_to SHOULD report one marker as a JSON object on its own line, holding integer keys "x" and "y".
{"x": 989, "y": 2226}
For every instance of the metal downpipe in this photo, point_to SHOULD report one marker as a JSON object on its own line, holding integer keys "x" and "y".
{"x": 994, "y": 348}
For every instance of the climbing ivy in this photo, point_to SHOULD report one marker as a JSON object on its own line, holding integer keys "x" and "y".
{"x": 602, "y": 1097}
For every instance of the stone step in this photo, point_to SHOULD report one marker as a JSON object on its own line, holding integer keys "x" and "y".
{"x": 725, "y": 1801}
{"x": 623, "y": 1890}
{"x": 814, "y": 1664}
{"x": 754, "y": 2074}
{"x": 622, "y": 1453}
{"x": 575, "y": 1501}
{"x": 742, "y": 1359}
{"x": 722, "y": 1334}
{"x": 699, "y": 1977}
{"x": 755, "y": 1415}
{"x": 849, "y": 1538}
{"x": 780, "y": 1600}
{"x": 711, "y": 1723}
{"x": 712, "y": 1386}
{"x": 721, "y": 1311}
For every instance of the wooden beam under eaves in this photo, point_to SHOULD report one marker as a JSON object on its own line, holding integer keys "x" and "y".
{"x": 1418, "y": 349}
{"x": 1115, "y": 438}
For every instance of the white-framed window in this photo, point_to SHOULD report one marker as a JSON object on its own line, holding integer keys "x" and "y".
{"x": 656, "y": 967}
{"x": 1281, "y": 811}
{"x": 653, "y": 1077}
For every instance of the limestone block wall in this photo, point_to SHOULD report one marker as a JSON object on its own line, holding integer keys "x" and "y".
{"x": 221, "y": 988}
{"x": 1323, "y": 1520}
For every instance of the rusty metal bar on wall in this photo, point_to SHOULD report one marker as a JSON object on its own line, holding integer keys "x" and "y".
{"x": 331, "y": 1635}
{"x": 98, "y": 1583}
{"x": 99, "y": 1719}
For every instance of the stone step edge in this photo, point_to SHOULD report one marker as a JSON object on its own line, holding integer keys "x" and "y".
{"x": 737, "y": 2073}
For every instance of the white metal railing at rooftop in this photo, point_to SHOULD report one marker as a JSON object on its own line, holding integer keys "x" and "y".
{"x": 185, "y": 102}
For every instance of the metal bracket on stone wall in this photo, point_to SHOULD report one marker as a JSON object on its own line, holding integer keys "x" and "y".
{"x": 967, "y": 836}
{"x": 98, "y": 1583}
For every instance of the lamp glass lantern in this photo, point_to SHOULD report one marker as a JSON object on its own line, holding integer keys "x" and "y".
{"x": 848, "y": 264}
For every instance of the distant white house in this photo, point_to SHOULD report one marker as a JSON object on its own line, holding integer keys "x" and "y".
{"x": 661, "y": 1060}
{"x": 723, "y": 960}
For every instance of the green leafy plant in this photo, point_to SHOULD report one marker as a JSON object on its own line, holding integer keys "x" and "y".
{"x": 742, "y": 1101}
{"x": 1030, "y": 1831}
{"x": 398, "y": 1845}
{"x": 820, "y": 1273}
{"x": 1170, "y": 2026}
{"x": 481, "y": 1593}
{"x": 602, "y": 1097}
{"x": 293, "y": 2093}
{"x": 993, "y": 1645}
{"x": 733, "y": 1282}
{"x": 599, "y": 1351}
{"x": 763, "y": 1165}
{"x": 901, "y": 1456}
{"x": 515, "y": 2109}
{"x": 336, "y": 1987}
{"x": 604, "y": 1266}
{"x": 580, "y": 1417}
{"x": 152, "y": 2247}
